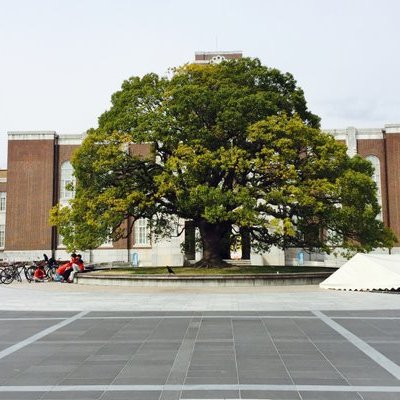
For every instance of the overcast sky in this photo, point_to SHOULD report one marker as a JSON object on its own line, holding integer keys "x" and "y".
{"x": 60, "y": 60}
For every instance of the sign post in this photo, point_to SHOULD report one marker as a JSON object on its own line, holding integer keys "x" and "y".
{"x": 135, "y": 260}
{"x": 300, "y": 258}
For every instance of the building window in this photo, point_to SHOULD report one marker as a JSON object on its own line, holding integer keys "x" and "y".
{"x": 142, "y": 232}
{"x": 67, "y": 179}
{"x": 377, "y": 179}
{"x": 3, "y": 201}
{"x": 2, "y": 236}
{"x": 60, "y": 241}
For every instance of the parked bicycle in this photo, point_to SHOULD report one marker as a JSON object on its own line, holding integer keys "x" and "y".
{"x": 49, "y": 265}
{"x": 3, "y": 266}
{"x": 15, "y": 271}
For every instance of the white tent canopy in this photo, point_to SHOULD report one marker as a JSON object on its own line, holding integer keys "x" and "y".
{"x": 366, "y": 272}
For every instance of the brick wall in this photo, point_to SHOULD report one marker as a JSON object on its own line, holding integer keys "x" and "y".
{"x": 393, "y": 172}
{"x": 376, "y": 147}
{"x": 29, "y": 197}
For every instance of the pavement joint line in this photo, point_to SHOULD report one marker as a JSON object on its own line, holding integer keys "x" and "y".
{"x": 194, "y": 324}
{"x": 235, "y": 354}
{"x": 212, "y": 317}
{"x": 267, "y": 331}
{"x": 33, "y": 319}
{"x": 28, "y": 341}
{"x": 367, "y": 318}
{"x": 368, "y": 350}
{"x": 202, "y": 387}
{"x": 170, "y": 317}
{"x": 336, "y": 317}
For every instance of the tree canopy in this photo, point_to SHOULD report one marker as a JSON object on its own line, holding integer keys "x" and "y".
{"x": 234, "y": 149}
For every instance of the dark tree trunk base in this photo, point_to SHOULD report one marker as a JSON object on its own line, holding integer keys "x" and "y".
{"x": 206, "y": 263}
{"x": 215, "y": 240}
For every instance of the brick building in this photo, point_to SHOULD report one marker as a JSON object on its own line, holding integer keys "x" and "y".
{"x": 381, "y": 146}
{"x": 39, "y": 171}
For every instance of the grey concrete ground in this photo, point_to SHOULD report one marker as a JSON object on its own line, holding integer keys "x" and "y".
{"x": 72, "y": 342}
{"x": 46, "y": 296}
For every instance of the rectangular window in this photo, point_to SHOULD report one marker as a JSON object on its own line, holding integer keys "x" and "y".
{"x": 2, "y": 236}
{"x": 65, "y": 193}
{"x": 3, "y": 201}
{"x": 141, "y": 232}
{"x": 60, "y": 241}
{"x": 67, "y": 179}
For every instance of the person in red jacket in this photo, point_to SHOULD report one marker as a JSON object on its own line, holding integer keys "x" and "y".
{"x": 80, "y": 263}
{"x": 64, "y": 271}
{"x": 39, "y": 274}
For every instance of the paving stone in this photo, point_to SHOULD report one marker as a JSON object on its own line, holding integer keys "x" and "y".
{"x": 210, "y": 394}
{"x": 381, "y": 396}
{"x": 390, "y": 350}
{"x": 363, "y": 313}
{"x": 98, "y": 371}
{"x": 87, "y": 395}
{"x": 21, "y": 396}
{"x": 132, "y": 395}
{"x": 215, "y": 380}
{"x": 330, "y": 396}
{"x": 271, "y": 395}
{"x": 85, "y": 381}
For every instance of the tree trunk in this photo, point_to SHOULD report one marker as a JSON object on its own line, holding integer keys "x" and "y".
{"x": 245, "y": 241}
{"x": 216, "y": 244}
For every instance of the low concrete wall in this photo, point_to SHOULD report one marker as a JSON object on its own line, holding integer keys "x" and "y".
{"x": 202, "y": 281}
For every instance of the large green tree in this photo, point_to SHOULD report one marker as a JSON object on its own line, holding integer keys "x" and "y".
{"x": 236, "y": 151}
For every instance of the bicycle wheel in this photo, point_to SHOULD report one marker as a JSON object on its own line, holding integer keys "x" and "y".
{"x": 50, "y": 272}
{"x": 7, "y": 275}
{"x": 29, "y": 273}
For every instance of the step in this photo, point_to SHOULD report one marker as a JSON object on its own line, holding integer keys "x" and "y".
{"x": 239, "y": 262}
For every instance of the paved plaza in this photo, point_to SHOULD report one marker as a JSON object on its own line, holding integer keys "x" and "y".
{"x": 76, "y": 342}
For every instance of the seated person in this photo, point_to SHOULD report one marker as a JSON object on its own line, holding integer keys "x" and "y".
{"x": 63, "y": 272}
{"x": 39, "y": 274}
{"x": 77, "y": 266}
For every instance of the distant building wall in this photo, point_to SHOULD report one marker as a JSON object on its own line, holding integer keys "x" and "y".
{"x": 29, "y": 196}
{"x": 376, "y": 147}
{"x": 207, "y": 57}
{"x": 392, "y": 138}
{"x": 383, "y": 143}
{"x": 3, "y": 209}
